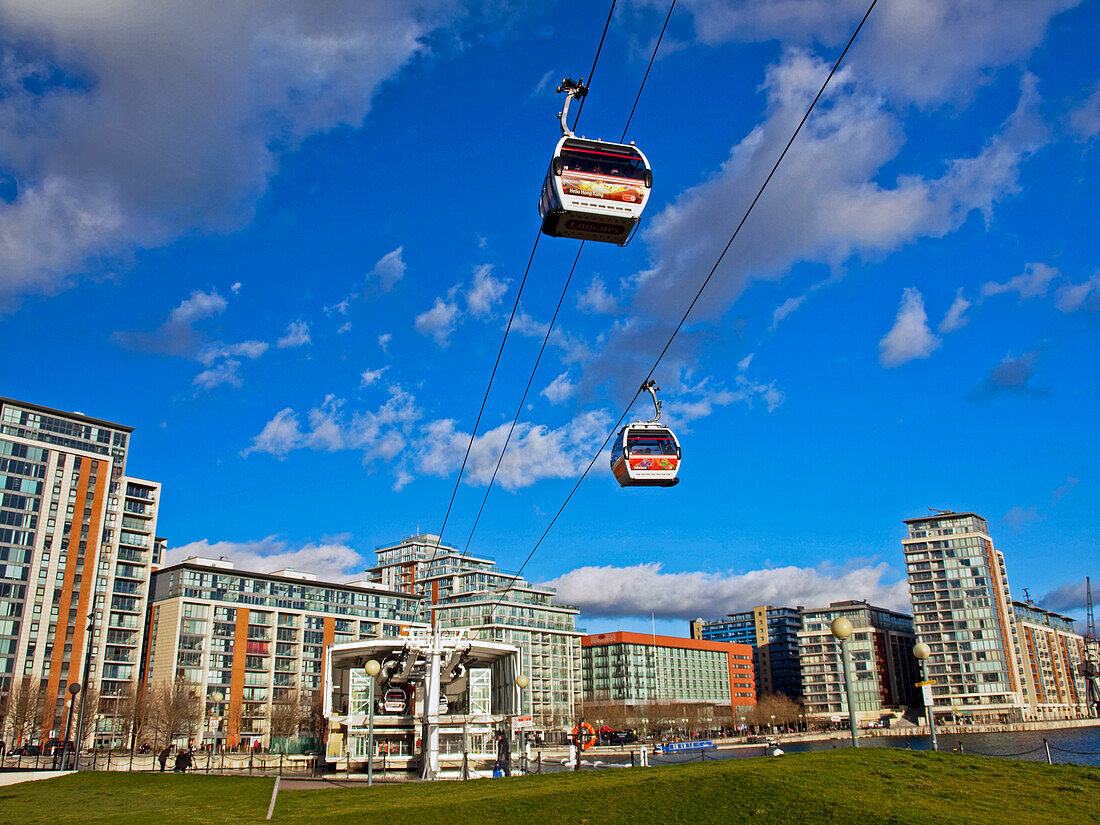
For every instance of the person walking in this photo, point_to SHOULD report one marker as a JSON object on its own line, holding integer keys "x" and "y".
{"x": 163, "y": 757}
{"x": 504, "y": 753}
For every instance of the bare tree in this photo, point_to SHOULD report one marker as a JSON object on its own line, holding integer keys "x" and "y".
{"x": 24, "y": 704}
{"x": 90, "y": 703}
{"x": 775, "y": 709}
{"x": 176, "y": 710}
{"x": 287, "y": 714}
{"x": 315, "y": 723}
{"x": 133, "y": 714}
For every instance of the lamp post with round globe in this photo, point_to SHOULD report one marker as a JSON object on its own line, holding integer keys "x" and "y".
{"x": 73, "y": 689}
{"x": 922, "y": 652}
{"x": 521, "y": 682}
{"x": 216, "y": 699}
{"x": 841, "y": 629}
{"x": 372, "y": 667}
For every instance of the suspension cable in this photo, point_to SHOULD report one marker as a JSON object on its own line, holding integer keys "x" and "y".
{"x": 565, "y": 288}
{"x": 645, "y": 77}
{"x": 508, "y": 328}
{"x": 592, "y": 71}
{"x": 691, "y": 306}
{"x": 523, "y": 398}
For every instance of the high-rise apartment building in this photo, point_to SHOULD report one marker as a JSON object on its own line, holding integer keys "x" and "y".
{"x": 1051, "y": 652}
{"x": 884, "y": 671}
{"x": 772, "y": 633}
{"x": 962, "y": 609}
{"x": 76, "y": 545}
{"x": 258, "y": 639}
{"x": 462, "y": 591}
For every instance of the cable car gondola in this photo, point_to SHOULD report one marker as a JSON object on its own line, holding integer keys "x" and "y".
{"x": 646, "y": 453}
{"x": 594, "y": 190}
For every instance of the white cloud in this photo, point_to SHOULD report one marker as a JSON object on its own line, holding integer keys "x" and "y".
{"x": 1020, "y": 517}
{"x": 596, "y": 298}
{"x": 344, "y": 327}
{"x": 236, "y": 288}
{"x": 176, "y": 336}
{"x": 225, "y": 373}
{"x": 297, "y": 335}
{"x": 330, "y": 560}
{"x": 369, "y": 377}
{"x": 926, "y": 51}
{"x": 910, "y": 336}
{"x": 534, "y": 453}
{"x": 1033, "y": 283}
{"x": 692, "y": 401}
{"x": 339, "y": 308}
{"x": 245, "y": 349}
{"x": 1085, "y": 119}
{"x": 956, "y": 314}
{"x": 743, "y": 364}
{"x": 116, "y": 145}
{"x": 1063, "y": 490}
{"x": 200, "y": 305}
{"x": 786, "y": 308}
{"x": 544, "y": 81}
{"x": 279, "y": 436}
{"x": 384, "y": 341}
{"x": 559, "y": 389}
{"x": 378, "y": 434}
{"x": 641, "y": 589}
{"x": 1085, "y": 295}
{"x": 389, "y": 270}
{"x": 439, "y": 321}
{"x": 484, "y": 292}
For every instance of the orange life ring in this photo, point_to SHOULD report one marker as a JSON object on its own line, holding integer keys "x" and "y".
{"x": 589, "y": 734}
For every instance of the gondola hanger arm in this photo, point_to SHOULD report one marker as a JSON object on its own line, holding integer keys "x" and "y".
{"x": 572, "y": 89}
{"x": 651, "y": 387}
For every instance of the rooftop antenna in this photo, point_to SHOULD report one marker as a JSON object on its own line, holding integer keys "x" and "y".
{"x": 1027, "y": 596}
{"x": 1090, "y": 618}
{"x": 939, "y": 512}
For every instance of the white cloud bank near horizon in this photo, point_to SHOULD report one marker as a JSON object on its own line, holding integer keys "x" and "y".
{"x": 643, "y": 589}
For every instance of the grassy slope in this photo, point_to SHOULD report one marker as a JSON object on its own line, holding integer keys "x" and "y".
{"x": 871, "y": 786}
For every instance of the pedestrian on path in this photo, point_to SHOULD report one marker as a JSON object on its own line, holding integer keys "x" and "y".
{"x": 163, "y": 758}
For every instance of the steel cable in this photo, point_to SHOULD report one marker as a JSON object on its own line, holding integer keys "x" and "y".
{"x": 508, "y": 328}
{"x": 565, "y": 288}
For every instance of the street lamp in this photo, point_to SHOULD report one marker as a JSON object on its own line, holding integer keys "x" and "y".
{"x": 521, "y": 682}
{"x": 216, "y": 702}
{"x": 841, "y": 629}
{"x": 88, "y": 642}
{"x": 922, "y": 652}
{"x": 73, "y": 689}
{"x": 372, "y": 668}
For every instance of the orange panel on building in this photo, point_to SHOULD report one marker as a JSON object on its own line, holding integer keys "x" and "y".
{"x": 236, "y": 685}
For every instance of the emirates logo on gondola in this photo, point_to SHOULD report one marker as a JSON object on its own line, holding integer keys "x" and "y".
{"x": 595, "y": 228}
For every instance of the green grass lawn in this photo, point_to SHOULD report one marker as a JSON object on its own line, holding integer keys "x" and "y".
{"x": 870, "y": 786}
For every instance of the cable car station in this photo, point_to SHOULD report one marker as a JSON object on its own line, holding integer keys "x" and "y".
{"x": 425, "y": 705}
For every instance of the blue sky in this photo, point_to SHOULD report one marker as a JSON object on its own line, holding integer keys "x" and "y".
{"x": 283, "y": 245}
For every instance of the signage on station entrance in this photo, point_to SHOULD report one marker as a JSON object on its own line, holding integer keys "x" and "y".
{"x": 525, "y": 722}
